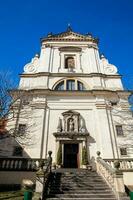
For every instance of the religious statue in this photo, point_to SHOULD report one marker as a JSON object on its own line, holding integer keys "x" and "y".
{"x": 71, "y": 125}
{"x": 59, "y": 127}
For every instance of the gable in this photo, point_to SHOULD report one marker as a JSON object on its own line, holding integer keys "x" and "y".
{"x": 70, "y": 36}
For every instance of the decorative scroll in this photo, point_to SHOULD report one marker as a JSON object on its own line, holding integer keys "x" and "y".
{"x": 32, "y": 66}
{"x": 108, "y": 68}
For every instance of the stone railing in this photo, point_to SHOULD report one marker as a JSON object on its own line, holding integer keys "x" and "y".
{"x": 43, "y": 176}
{"x": 19, "y": 164}
{"x": 125, "y": 164}
{"x": 113, "y": 176}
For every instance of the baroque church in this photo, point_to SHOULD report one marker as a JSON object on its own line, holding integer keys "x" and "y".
{"x": 73, "y": 99}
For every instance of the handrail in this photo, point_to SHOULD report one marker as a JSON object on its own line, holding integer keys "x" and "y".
{"x": 126, "y": 164}
{"x": 112, "y": 175}
{"x": 107, "y": 166}
{"x": 120, "y": 159}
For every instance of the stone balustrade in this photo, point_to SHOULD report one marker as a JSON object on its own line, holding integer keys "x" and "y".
{"x": 125, "y": 164}
{"x": 19, "y": 164}
{"x": 112, "y": 175}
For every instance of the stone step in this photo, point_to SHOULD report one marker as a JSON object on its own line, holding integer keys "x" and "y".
{"x": 71, "y": 191}
{"x": 82, "y": 196}
{"x": 63, "y": 198}
{"x": 79, "y": 185}
{"x": 99, "y": 187}
{"x": 77, "y": 177}
{"x": 86, "y": 175}
{"x": 77, "y": 180}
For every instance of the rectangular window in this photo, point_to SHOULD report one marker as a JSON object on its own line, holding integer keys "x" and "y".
{"x": 17, "y": 151}
{"x": 21, "y": 129}
{"x": 123, "y": 151}
{"x": 119, "y": 130}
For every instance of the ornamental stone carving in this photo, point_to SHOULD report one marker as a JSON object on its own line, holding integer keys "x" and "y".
{"x": 59, "y": 127}
{"x": 71, "y": 122}
{"x": 32, "y": 66}
{"x": 107, "y": 67}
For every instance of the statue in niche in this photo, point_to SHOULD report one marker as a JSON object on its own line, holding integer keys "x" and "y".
{"x": 59, "y": 127}
{"x": 82, "y": 126}
{"x": 71, "y": 125}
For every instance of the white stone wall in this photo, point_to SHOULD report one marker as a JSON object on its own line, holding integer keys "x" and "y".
{"x": 43, "y": 123}
{"x": 87, "y": 61}
{"x": 45, "y": 108}
{"x": 42, "y": 114}
{"x": 47, "y": 82}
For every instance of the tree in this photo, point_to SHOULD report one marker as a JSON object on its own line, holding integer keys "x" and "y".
{"x": 12, "y": 103}
{"x": 5, "y": 96}
{"x": 121, "y": 120}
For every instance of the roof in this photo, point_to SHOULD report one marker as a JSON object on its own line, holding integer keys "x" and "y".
{"x": 70, "y": 35}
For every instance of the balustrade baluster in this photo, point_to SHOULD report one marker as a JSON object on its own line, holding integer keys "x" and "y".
{"x": 3, "y": 164}
{"x": 11, "y": 164}
{"x": 19, "y": 164}
{"x": 131, "y": 164}
{"x": 7, "y": 164}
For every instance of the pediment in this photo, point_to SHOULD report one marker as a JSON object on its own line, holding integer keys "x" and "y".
{"x": 70, "y": 35}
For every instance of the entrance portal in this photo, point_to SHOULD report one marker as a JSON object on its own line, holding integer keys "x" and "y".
{"x": 71, "y": 156}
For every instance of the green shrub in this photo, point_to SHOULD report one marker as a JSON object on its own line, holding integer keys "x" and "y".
{"x": 84, "y": 156}
{"x": 59, "y": 155}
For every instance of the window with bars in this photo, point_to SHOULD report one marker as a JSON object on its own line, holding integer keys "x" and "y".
{"x": 21, "y": 129}
{"x": 70, "y": 84}
{"x": 123, "y": 151}
{"x": 60, "y": 86}
{"x": 17, "y": 151}
{"x": 119, "y": 130}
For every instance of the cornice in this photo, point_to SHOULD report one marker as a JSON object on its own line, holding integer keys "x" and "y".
{"x": 70, "y": 134}
{"x": 39, "y": 74}
{"x": 48, "y": 92}
{"x": 100, "y": 105}
{"x": 71, "y": 39}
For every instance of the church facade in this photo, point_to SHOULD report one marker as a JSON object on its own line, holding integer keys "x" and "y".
{"x": 73, "y": 99}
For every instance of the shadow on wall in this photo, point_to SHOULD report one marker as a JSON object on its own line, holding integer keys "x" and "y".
{"x": 10, "y": 147}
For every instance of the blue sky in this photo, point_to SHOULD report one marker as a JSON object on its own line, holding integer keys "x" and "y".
{"x": 24, "y": 22}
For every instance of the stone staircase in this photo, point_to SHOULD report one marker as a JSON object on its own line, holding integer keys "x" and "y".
{"x": 77, "y": 185}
